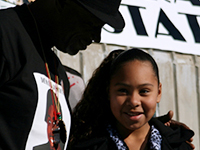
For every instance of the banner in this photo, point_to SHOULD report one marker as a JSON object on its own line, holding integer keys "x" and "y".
{"x": 172, "y": 25}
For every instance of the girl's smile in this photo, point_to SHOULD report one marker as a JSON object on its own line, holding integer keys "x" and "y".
{"x": 134, "y": 116}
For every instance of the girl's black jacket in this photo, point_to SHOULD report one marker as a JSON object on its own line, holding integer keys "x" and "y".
{"x": 172, "y": 139}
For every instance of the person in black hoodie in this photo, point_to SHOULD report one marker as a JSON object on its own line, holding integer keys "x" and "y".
{"x": 117, "y": 108}
{"x": 30, "y": 70}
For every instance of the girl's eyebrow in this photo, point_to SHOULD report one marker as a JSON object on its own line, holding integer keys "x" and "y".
{"x": 124, "y": 84}
{"x": 146, "y": 84}
{"x": 121, "y": 84}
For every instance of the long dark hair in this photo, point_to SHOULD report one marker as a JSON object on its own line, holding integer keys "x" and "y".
{"x": 92, "y": 114}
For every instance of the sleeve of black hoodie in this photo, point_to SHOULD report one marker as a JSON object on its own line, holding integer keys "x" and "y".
{"x": 173, "y": 138}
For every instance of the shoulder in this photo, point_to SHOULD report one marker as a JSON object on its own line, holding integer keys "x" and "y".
{"x": 10, "y": 24}
{"x": 175, "y": 137}
{"x": 7, "y": 17}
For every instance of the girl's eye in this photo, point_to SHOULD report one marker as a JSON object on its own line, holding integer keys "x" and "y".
{"x": 123, "y": 91}
{"x": 144, "y": 91}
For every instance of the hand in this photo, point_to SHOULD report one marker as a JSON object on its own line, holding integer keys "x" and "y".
{"x": 167, "y": 120}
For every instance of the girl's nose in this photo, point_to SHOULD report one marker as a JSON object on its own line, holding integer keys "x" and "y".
{"x": 134, "y": 100}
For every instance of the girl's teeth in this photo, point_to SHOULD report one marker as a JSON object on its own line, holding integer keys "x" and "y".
{"x": 133, "y": 114}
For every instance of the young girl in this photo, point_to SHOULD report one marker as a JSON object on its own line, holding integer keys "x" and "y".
{"x": 117, "y": 107}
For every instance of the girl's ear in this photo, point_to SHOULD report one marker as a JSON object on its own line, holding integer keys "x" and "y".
{"x": 159, "y": 93}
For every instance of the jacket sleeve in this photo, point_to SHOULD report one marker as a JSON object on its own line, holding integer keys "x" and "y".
{"x": 4, "y": 75}
{"x": 173, "y": 138}
{"x": 174, "y": 146}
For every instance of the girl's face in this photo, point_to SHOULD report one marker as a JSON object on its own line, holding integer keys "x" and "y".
{"x": 134, "y": 92}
